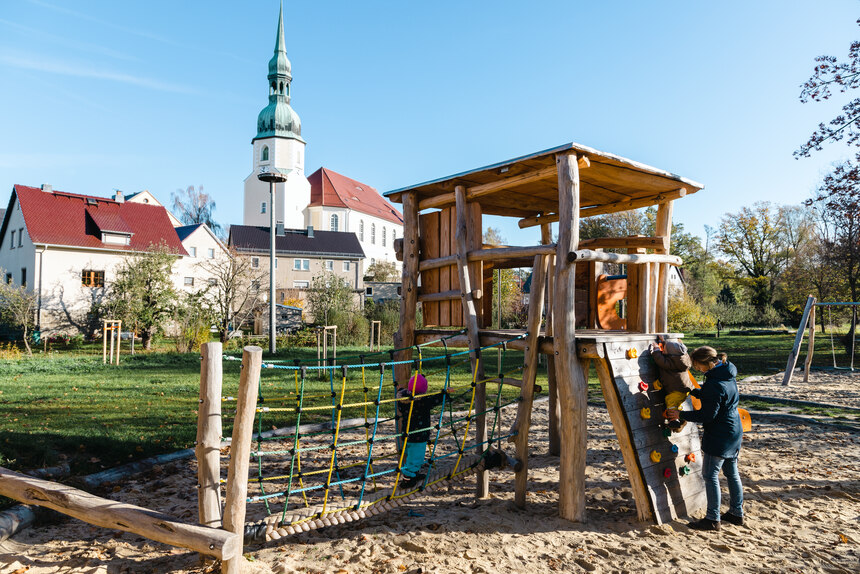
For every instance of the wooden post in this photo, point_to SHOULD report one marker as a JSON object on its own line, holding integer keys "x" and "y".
{"x": 118, "y": 341}
{"x": 795, "y": 350}
{"x": 645, "y": 286}
{"x": 572, "y": 390}
{"x": 104, "y": 342}
{"x": 240, "y": 451}
{"x": 530, "y": 365}
{"x": 470, "y": 315}
{"x": 552, "y": 387}
{"x": 117, "y": 515}
{"x": 663, "y": 228}
{"x": 208, "y": 447}
{"x": 112, "y": 335}
{"x": 811, "y": 348}
{"x": 405, "y": 336}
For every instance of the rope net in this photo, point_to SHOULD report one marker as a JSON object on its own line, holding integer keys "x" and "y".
{"x": 333, "y": 442}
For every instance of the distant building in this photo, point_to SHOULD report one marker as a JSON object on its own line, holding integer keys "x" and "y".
{"x": 67, "y": 247}
{"x": 382, "y": 291}
{"x": 326, "y": 200}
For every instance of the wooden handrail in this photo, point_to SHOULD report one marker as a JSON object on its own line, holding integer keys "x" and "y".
{"x": 495, "y": 254}
{"x": 451, "y": 295}
{"x": 631, "y": 258}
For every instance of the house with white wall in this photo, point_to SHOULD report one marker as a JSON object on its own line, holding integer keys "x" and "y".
{"x": 66, "y": 248}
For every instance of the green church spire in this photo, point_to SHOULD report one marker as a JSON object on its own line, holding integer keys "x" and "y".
{"x": 278, "y": 119}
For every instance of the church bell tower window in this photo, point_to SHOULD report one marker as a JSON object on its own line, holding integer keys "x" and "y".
{"x": 264, "y": 155}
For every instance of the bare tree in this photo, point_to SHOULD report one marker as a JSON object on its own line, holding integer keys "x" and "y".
{"x": 194, "y": 206}
{"x": 18, "y": 309}
{"x": 235, "y": 291}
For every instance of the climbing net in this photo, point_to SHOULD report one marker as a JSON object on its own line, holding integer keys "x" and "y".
{"x": 337, "y": 448}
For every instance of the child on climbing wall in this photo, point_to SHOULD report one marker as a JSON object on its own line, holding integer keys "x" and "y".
{"x": 417, "y": 427}
{"x": 672, "y": 363}
{"x": 721, "y": 441}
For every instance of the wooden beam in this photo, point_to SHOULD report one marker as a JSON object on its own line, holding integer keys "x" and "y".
{"x": 235, "y": 504}
{"x": 404, "y": 337}
{"x": 530, "y": 365}
{"x": 795, "y": 350}
{"x": 545, "y": 344}
{"x": 116, "y": 515}
{"x": 208, "y": 447}
{"x": 483, "y": 189}
{"x": 572, "y": 388}
{"x": 552, "y": 384}
{"x": 811, "y": 348}
{"x": 629, "y": 258}
{"x": 663, "y": 228}
{"x": 608, "y": 208}
{"x": 655, "y": 243}
{"x": 493, "y": 254}
{"x": 471, "y": 319}
{"x": 451, "y": 295}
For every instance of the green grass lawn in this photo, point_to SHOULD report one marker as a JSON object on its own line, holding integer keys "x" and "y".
{"x": 65, "y": 406}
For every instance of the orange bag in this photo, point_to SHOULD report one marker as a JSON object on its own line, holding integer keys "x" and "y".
{"x": 746, "y": 419}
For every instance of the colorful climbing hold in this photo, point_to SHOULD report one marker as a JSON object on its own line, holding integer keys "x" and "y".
{"x": 667, "y": 432}
{"x": 655, "y": 456}
{"x": 690, "y": 457}
{"x": 684, "y": 470}
{"x": 675, "y": 448}
{"x": 645, "y": 413}
{"x": 643, "y": 386}
{"x": 667, "y": 473}
{"x": 632, "y": 353}
{"x": 657, "y": 385}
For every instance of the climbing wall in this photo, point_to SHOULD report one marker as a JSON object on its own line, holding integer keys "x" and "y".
{"x": 668, "y": 464}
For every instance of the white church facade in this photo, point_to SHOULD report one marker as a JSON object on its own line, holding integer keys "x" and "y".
{"x": 325, "y": 200}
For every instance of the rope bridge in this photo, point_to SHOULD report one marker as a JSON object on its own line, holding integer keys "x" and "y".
{"x": 350, "y": 466}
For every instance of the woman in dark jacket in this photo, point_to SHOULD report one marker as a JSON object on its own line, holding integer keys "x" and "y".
{"x": 721, "y": 441}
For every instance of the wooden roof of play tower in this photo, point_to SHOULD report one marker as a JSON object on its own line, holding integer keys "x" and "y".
{"x": 527, "y": 186}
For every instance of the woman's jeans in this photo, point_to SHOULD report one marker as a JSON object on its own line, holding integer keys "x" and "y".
{"x": 711, "y": 466}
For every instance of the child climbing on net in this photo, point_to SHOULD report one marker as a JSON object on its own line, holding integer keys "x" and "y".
{"x": 672, "y": 364}
{"x": 417, "y": 426}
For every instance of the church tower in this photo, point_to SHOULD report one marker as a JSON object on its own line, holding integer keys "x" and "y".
{"x": 278, "y": 144}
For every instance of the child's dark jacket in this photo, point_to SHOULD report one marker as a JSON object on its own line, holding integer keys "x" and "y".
{"x": 719, "y": 413}
{"x": 672, "y": 365}
{"x": 421, "y": 413}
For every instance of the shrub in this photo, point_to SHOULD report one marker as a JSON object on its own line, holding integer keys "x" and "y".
{"x": 686, "y": 314}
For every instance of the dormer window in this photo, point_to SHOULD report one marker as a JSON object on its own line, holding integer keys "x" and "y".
{"x": 264, "y": 154}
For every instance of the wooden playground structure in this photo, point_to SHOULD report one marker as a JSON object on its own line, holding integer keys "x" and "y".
{"x": 111, "y": 328}
{"x": 448, "y": 271}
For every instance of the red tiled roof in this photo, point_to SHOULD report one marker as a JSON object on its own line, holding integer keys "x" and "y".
{"x": 331, "y": 189}
{"x": 59, "y": 218}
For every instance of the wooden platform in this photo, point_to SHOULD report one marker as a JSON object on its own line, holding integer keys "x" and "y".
{"x": 658, "y": 497}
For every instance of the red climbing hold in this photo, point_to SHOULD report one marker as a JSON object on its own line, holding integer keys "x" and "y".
{"x": 643, "y": 386}
{"x": 667, "y": 473}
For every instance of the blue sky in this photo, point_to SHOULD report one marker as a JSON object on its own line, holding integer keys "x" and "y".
{"x": 160, "y": 95}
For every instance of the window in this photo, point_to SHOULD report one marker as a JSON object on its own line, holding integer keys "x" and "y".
{"x": 90, "y": 278}
{"x": 21, "y": 237}
{"x": 373, "y": 234}
{"x": 23, "y": 276}
{"x": 264, "y": 155}
{"x": 383, "y": 237}
{"x": 255, "y": 262}
{"x": 211, "y": 281}
{"x": 9, "y": 278}
{"x": 301, "y": 264}
{"x": 189, "y": 281}
{"x": 329, "y": 265}
{"x": 276, "y": 262}
{"x": 301, "y": 284}
{"x": 263, "y": 207}
{"x": 361, "y": 230}
{"x": 192, "y": 251}
{"x": 333, "y": 222}
{"x": 346, "y": 265}
{"x": 12, "y": 244}
{"x": 210, "y": 253}
{"x": 368, "y": 290}
{"x": 372, "y": 261}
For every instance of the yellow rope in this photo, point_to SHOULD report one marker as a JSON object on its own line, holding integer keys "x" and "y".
{"x": 334, "y": 443}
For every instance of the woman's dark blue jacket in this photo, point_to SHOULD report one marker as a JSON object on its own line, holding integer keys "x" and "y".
{"x": 719, "y": 413}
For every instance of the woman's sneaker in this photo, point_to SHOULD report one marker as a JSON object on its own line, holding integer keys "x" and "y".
{"x": 705, "y": 524}
{"x": 732, "y": 518}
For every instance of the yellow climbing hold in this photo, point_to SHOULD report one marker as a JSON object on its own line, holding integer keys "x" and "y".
{"x": 645, "y": 412}
{"x": 657, "y": 385}
{"x": 632, "y": 353}
{"x": 655, "y": 456}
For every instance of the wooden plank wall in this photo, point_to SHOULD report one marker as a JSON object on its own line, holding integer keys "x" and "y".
{"x": 672, "y": 497}
{"x": 437, "y": 240}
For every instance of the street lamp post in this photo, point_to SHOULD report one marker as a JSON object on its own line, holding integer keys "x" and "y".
{"x": 273, "y": 175}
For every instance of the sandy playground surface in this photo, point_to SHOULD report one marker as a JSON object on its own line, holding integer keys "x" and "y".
{"x": 802, "y": 486}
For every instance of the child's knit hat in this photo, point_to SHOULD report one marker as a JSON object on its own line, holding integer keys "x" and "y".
{"x": 417, "y": 384}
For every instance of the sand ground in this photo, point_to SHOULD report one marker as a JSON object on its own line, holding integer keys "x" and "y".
{"x": 802, "y": 488}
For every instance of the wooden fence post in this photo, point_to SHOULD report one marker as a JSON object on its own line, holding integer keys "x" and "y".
{"x": 811, "y": 349}
{"x": 208, "y": 447}
{"x": 240, "y": 451}
{"x": 795, "y": 350}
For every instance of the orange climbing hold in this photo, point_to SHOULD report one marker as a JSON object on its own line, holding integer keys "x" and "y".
{"x": 655, "y": 456}
{"x": 632, "y": 353}
{"x": 645, "y": 413}
{"x": 690, "y": 457}
{"x": 657, "y": 385}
